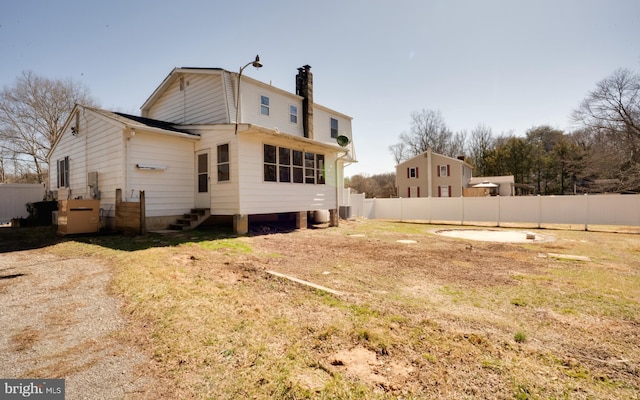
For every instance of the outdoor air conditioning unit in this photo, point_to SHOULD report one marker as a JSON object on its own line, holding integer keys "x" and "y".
{"x": 345, "y": 212}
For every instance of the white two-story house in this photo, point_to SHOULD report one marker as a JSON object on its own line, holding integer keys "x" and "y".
{"x": 240, "y": 150}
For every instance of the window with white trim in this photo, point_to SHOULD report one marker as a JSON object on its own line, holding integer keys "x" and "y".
{"x": 63, "y": 172}
{"x": 443, "y": 170}
{"x": 444, "y": 191}
{"x": 298, "y": 166}
{"x": 223, "y": 162}
{"x": 282, "y": 164}
{"x": 334, "y": 128}
{"x": 412, "y": 172}
{"x": 270, "y": 163}
{"x": 264, "y": 105}
{"x": 293, "y": 114}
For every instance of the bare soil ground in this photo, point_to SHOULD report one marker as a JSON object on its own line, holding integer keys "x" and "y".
{"x": 431, "y": 317}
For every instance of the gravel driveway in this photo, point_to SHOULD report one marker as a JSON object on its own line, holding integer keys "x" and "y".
{"x": 58, "y": 321}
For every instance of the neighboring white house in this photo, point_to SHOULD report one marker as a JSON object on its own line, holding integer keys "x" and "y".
{"x": 497, "y": 185}
{"x": 190, "y": 150}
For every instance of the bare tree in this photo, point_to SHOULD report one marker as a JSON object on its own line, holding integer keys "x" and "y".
{"x": 32, "y": 113}
{"x": 428, "y": 131}
{"x": 611, "y": 113}
{"x": 480, "y": 146}
{"x": 399, "y": 152}
{"x": 614, "y": 109}
{"x": 458, "y": 144}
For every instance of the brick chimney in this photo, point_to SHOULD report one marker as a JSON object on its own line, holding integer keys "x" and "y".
{"x": 304, "y": 88}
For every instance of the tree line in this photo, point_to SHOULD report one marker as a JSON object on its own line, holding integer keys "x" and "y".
{"x": 602, "y": 154}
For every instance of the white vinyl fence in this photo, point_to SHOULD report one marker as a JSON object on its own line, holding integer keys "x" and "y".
{"x": 14, "y": 198}
{"x": 584, "y": 210}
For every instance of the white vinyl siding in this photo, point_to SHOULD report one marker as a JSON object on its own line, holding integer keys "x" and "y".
{"x": 203, "y": 100}
{"x": 279, "y": 108}
{"x": 259, "y": 197}
{"x": 322, "y": 125}
{"x": 101, "y": 157}
{"x": 224, "y": 195}
{"x": 169, "y": 191}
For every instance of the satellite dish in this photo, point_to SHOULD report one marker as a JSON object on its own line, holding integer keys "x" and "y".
{"x": 342, "y": 140}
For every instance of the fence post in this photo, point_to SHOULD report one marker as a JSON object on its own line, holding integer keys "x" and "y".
{"x": 539, "y": 211}
{"x": 143, "y": 213}
{"x": 586, "y": 212}
{"x": 499, "y": 211}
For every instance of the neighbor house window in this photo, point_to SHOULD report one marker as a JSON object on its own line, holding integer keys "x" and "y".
{"x": 444, "y": 191}
{"x": 264, "y": 105}
{"x": 334, "y": 128}
{"x": 63, "y": 172}
{"x": 293, "y": 114}
{"x": 412, "y": 172}
{"x": 443, "y": 170}
{"x": 223, "y": 162}
{"x": 270, "y": 164}
{"x": 282, "y": 164}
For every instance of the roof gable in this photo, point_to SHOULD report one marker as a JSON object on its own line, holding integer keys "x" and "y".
{"x": 171, "y": 78}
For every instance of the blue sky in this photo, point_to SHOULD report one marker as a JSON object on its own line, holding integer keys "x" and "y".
{"x": 509, "y": 65}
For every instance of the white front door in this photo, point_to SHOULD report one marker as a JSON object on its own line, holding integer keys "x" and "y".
{"x": 203, "y": 186}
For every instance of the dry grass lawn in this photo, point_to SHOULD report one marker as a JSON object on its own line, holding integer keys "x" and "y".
{"x": 439, "y": 318}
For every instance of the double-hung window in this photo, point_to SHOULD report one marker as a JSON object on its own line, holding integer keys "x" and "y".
{"x": 444, "y": 170}
{"x": 223, "y": 162}
{"x": 270, "y": 163}
{"x": 334, "y": 128}
{"x": 293, "y": 114}
{"x": 298, "y": 167}
{"x": 63, "y": 172}
{"x": 264, "y": 105}
{"x": 284, "y": 164}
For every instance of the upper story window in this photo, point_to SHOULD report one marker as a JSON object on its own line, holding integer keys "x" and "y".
{"x": 444, "y": 170}
{"x": 334, "y": 128}
{"x": 264, "y": 105}
{"x": 412, "y": 172}
{"x": 293, "y": 114}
